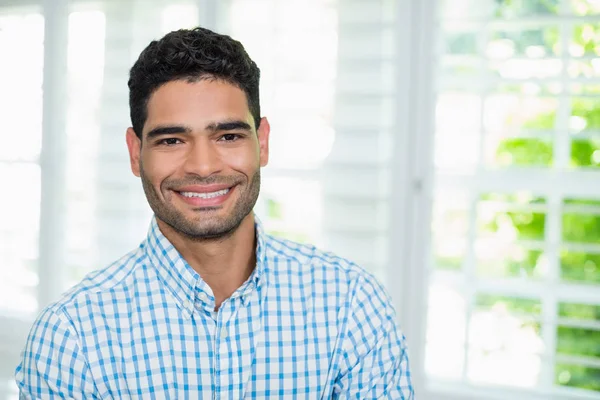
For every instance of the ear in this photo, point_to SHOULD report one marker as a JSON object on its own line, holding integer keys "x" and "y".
{"x": 264, "y": 129}
{"x": 134, "y": 145}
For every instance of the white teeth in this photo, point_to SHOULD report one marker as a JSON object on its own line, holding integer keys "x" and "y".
{"x": 205, "y": 195}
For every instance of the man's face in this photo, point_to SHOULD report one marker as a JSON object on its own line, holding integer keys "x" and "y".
{"x": 199, "y": 158}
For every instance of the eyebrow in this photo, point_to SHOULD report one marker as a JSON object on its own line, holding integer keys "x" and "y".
{"x": 214, "y": 127}
{"x": 229, "y": 126}
{"x": 167, "y": 130}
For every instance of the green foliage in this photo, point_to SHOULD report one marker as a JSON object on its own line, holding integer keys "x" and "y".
{"x": 514, "y": 8}
{"x": 512, "y": 304}
{"x": 524, "y": 152}
{"x": 579, "y": 311}
{"x": 578, "y": 341}
{"x": 577, "y": 376}
{"x": 582, "y": 227}
{"x": 580, "y": 267}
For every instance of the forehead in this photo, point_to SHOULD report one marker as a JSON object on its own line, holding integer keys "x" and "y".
{"x": 196, "y": 103}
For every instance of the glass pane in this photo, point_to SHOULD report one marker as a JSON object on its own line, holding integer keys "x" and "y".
{"x": 19, "y": 233}
{"x": 586, "y": 111}
{"x": 444, "y": 352}
{"x": 450, "y": 226}
{"x": 586, "y": 40}
{"x": 497, "y": 220}
{"x": 579, "y": 311}
{"x": 21, "y": 81}
{"x": 458, "y": 123}
{"x": 461, "y": 42}
{"x": 524, "y": 69}
{"x": 578, "y": 341}
{"x": 577, "y": 376}
{"x": 495, "y": 260}
{"x": 513, "y": 112}
{"x": 527, "y": 42}
{"x": 585, "y": 153}
{"x": 513, "y": 305}
{"x": 504, "y": 347}
{"x": 519, "y": 152}
{"x": 503, "y": 220}
{"x": 580, "y": 227}
{"x": 456, "y": 68}
{"x": 464, "y": 9}
{"x": 586, "y": 69}
{"x": 585, "y": 7}
{"x": 450, "y": 239}
{"x": 580, "y": 267}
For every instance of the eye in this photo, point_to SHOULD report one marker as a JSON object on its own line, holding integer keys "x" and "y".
{"x": 169, "y": 141}
{"x": 229, "y": 137}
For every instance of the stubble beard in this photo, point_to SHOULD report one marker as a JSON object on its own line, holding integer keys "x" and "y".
{"x": 207, "y": 225}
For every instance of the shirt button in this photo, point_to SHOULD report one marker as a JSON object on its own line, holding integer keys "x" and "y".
{"x": 203, "y": 297}
{"x": 186, "y": 304}
{"x": 224, "y": 333}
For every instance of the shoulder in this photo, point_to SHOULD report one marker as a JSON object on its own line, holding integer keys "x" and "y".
{"x": 100, "y": 284}
{"x": 289, "y": 257}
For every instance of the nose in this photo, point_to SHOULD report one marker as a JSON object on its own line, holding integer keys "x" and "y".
{"x": 203, "y": 159}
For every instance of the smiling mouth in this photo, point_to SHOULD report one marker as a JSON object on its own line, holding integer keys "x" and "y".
{"x": 207, "y": 195}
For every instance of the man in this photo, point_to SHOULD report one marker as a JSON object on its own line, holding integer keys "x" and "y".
{"x": 210, "y": 306}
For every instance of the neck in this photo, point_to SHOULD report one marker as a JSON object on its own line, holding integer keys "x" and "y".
{"x": 223, "y": 263}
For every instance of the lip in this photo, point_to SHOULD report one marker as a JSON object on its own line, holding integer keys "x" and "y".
{"x": 200, "y": 202}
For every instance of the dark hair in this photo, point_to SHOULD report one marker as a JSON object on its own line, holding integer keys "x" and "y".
{"x": 191, "y": 55}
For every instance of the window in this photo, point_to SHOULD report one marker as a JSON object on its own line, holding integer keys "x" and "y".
{"x": 514, "y": 297}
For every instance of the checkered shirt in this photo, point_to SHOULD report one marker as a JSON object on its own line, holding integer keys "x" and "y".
{"x": 305, "y": 325}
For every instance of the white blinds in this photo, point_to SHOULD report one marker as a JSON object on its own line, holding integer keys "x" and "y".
{"x": 514, "y": 296}
{"x": 326, "y": 69}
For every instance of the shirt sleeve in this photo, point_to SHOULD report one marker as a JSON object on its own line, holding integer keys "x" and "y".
{"x": 52, "y": 363}
{"x": 374, "y": 362}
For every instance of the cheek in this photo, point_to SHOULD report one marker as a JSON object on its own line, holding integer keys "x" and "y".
{"x": 245, "y": 160}
{"x": 158, "y": 166}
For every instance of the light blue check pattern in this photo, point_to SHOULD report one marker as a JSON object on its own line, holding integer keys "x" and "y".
{"x": 306, "y": 325}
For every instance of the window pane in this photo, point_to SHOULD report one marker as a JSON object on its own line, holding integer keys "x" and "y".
{"x": 586, "y": 40}
{"x": 585, "y": 153}
{"x": 460, "y": 42}
{"x": 585, "y": 7}
{"x": 508, "y": 304}
{"x": 450, "y": 226}
{"x": 584, "y": 69}
{"x": 579, "y": 311}
{"x": 510, "y": 221}
{"x": 578, "y": 341}
{"x": 504, "y": 220}
{"x": 586, "y": 111}
{"x": 445, "y": 350}
{"x": 463, "y": 9}
{"x": 505, "y": 343}
{"x": 577, "y": 376}
{"x": 581, "y": 267}
{"x": 581, "y": 226}
{"x": 524, "y": 42}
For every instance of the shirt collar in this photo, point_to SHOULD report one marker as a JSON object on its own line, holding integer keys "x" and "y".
{"x": 182, "y": 281}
